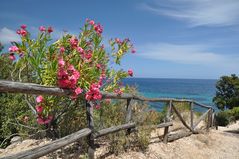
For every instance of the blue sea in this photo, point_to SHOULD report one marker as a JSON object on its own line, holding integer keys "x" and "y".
{"x": 200, "y": 90}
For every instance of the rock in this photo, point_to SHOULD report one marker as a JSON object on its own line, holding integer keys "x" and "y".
{"x": 16, "y": 139}
{"x": 1, "y": 150}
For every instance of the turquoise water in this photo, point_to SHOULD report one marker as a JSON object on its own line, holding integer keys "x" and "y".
{"x": 200, "y": 90}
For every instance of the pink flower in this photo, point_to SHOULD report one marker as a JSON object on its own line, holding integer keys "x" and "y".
{"x": 130, "y": 72}
{"x": 80, "y": 50}
{"x": 133, "y": 51}
{"x": 61, "y": 62}
{"x": 73, "y": 81}
{"x": 39, "y": 109}
{"x": 12, "y": 57}
{"x": 117, "y": 40}
{"x": 64, "y": 83}
{"x": 68, "y": 78}
{"x": 97, "y": 96}
{"x": 62, "y": 74}
{"x": 23, "y": 32}
{"x": 88, "y": 56}
{"x": 98, "y": 28}
{"x": 13, "y": 49}
{"x": 73, "y": 42}
{"x": 50, "y": 29}
{"x": 94, "y": 92}
{"x": 76, "y": 74}
{"x": 40, "y": 120}
{"x": 39, "y": 99}
{"x": 23, "y": 26}
{"x": 62, "y": 49}
{"x": 92, "y": 22}
{"x": 71, "y": 68}
{"x": 78, "y": 90}
{"x": 49, "y": 119}
{"x": 42, "y": 28}
{"x": 88, "y": 96}
{"x": 97, "y": 106}
{"x": 98, "y": 66}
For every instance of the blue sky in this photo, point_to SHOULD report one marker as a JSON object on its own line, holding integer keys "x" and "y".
{"x": 173, "y": 38}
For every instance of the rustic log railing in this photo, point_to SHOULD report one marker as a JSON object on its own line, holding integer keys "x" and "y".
{"x": 90, "y": 133}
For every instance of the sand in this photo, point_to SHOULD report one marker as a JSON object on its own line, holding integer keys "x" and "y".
{"x": 215, "y": 144}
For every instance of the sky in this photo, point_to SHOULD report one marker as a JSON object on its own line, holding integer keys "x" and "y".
{"x": 196, "y": 39}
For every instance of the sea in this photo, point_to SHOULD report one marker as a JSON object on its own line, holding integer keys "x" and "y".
{"x": 200, "y": 90}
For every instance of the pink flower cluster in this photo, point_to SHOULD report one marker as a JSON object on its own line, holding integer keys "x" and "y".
{"x": 43, "y": 29}
{"x": 41, "y": 120}
{"x": 93, "y": 93}
{"x": 22, "y": 31}
{"x": 74, "y": 42}
{"x": 68, "y": 77}
{"x": 13, "y": 49}
{"x": 39, "y": 108}
{"x": 97, "y": 27}
{"x": 85, "y": 54}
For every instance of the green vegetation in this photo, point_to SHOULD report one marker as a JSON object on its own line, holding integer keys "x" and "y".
{"x": 224, "y": 118}
{"x": 18, "y": 118}
{"x": 227, "y": 96}
{"x": 227, "y": 93}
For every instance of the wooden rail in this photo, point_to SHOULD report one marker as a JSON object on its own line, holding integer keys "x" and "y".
{"x": 30, "y": 88}
{"x": 90, "y": 133}
{"x": 50, "y": 147}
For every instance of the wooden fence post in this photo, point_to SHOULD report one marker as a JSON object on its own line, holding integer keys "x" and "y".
{"x": 90, "y": 123}
{"x": 213, "y": 119}
{"x": 209, "y": 119}
{"x": 128, "y": 113}
{"x": 166, "y": 129}
{"x": 191, "y": 112}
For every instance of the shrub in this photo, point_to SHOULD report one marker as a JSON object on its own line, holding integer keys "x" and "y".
{"x": 235, "y": 113}
{"x": 79, "y": 63}
{"x": 227, "y": 92}
{"x": 224, "y": 118}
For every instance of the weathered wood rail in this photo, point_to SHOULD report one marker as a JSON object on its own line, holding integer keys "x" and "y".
{"x": 90, "y": 133}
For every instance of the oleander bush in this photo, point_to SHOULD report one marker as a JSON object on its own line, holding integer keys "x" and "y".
{"x": 82, "y": 64}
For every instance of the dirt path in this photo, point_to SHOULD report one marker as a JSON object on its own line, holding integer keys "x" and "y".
{"x": 216, "y": 144}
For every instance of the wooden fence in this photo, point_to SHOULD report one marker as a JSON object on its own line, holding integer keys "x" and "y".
{"x": 90, "y": 133}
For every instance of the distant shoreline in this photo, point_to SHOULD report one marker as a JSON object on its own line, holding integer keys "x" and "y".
{"x": 170, "y": 78}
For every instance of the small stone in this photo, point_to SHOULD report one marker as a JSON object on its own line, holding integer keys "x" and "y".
{"x": 16, "y": 139}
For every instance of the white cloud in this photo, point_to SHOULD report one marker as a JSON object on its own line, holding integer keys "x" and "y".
{"x": 189, "y": 54}
{"x": 198, "y": 12}
{"x": 8, "y": 35}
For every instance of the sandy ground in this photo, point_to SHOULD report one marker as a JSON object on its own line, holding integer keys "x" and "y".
{"x": 216, "y": 144}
